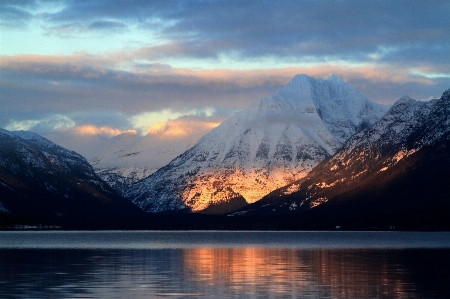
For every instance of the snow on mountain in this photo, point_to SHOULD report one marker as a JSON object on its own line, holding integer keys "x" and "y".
{"x": 275, "y": 141}
{"x": 37, "y": 151}
{"x": 399, "y": 158}
{"x": 406, "y": 128}
{"x": 120, "y": 179}
{"x": 128, "y": 158}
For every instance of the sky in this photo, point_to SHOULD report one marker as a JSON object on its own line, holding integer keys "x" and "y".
{"x": 106, "y": 67}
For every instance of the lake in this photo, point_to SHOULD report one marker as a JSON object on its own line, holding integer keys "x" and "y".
{"x": 148, "y": 264}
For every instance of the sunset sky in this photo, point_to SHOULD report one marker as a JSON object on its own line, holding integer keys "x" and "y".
{"x": 108, "y": 67}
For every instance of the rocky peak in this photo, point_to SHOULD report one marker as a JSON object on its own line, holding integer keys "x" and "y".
{"x": 446, "y": 95}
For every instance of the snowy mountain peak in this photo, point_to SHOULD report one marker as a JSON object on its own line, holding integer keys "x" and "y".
{"x": 399, "y": 164}
{"x": 404, "y": 99}
{"x": 332, "y": 77}
{"x": 5, "y": 132}
{"x": 403, "y": 104}
{"x": 296, "y": 94}
{"x": 336, "y": 83}
{"x": 298, "y": 84}
{"x": 273, "y": 142}
{"x": 446, "y": 95}
{"x": 32, "y": 137}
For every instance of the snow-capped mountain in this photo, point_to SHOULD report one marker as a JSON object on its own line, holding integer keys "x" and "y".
{"x": 121, "y": 179}
{"x": 128, "y": 157}
{"x": 274, "y": 142}
{"x": 39, "y": 178}
{"x": 400, "y": 163}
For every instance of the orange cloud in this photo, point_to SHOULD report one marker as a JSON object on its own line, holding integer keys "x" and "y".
{"x": 182, "y": 127}
{"x": 258, "y": 77}
{"x": 98, "y": 64}
{"x": 236, "y": 87}
{"x": 105, "y": 131}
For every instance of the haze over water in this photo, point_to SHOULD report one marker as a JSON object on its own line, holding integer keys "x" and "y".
{"x": 224, "y": 265}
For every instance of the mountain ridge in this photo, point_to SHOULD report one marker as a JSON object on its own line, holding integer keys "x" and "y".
{"x": 40, "y": 179}
{"x": 399, "y": 164}
{"x": 275, "y": 141}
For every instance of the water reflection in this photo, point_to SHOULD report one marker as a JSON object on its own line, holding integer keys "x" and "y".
{"x": 224, "y": 273}
{"x": 251, "y": 271}
{"x": 306, "y": 274}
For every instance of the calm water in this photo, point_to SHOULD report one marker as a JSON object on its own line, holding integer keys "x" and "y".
{"x": 224, "y": 265}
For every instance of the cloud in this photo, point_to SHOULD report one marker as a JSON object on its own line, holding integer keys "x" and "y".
{"x": 102, "y": 132}
{"x": 170, "y": 68}
{"x": 16, "y": 11}
{"x": 60, "y": 85}
{"x": 74, "y": 29}
{"x": 107, "y": 25}
{"x": 146, "y": 120}
{"x": 53, "y": 122}
{"x": 11, "y": 16}
{"x": 292, "y": 32}
{"x": 157, "y": 121}
{"x": 347, "y": 30}
{"x": 100, "y": 88}
{"x": 182, "y": 127}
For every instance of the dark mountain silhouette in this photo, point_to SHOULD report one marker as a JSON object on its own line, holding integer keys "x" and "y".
{"x": 42, "y": 181}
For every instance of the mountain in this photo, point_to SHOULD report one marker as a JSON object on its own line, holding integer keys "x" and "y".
{"x": 122, "y": 178}
{"x": 41, "y": 180}
{"x": 274, "y": 142}
{"x": 126, "y": 158}
{"x": 396, "y": 170}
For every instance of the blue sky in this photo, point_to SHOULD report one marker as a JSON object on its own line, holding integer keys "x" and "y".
{"x": 115, "y": 66}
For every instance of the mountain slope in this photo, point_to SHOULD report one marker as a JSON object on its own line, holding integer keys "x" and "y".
{"x": 276, "y": 141}
{"x": 41, "y": 179}
{"x": 126, "y": 158}
{"x": 121, "y": 179}
{"x": 398, "y": 167}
